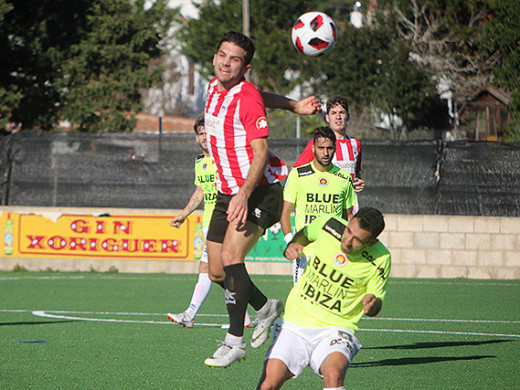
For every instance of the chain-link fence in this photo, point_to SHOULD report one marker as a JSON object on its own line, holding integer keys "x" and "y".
{"x": 156, "y": 171}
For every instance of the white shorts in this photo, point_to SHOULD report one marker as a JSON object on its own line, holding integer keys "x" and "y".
{"x": 300, "y": 347}
{"x": 204, "y": 255}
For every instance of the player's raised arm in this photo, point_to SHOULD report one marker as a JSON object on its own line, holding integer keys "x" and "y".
{"x": 306, "y": 106}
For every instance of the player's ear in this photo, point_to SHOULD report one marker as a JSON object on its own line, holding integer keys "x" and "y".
{"x": 327, "y": 118}
{"x": 348, "y": 116}
{"x": 247, "y": 68}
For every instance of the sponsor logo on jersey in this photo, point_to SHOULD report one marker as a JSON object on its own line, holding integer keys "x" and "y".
{"x": 340, "y": 259}
{"x": 323, "y": 182}
{"x": 305, "y": 170}
{"x": 261, "y": 123}
{"x": 204, "y": 166}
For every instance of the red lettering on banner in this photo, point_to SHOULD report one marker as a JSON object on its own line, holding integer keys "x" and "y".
{"x": 100, "y": 228}
{"x": 169, "y": 245}
{"x": 36, "y": 241}
{"x": 126, "y": 245}
{"x": 57, "y": 242}
{"x": 148, "y": 245}
{"x": 79, "y": 226}
{"x": 123, "y": 227}
{"x": 78, "y": 243}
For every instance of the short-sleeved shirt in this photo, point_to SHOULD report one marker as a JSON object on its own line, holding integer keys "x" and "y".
{"x": 347, "y": 156}
{"x": 205, "y": 178}
{"x": 233, "y": 118}
{"x": 316, "y": 193}
{"x": 330, "y": 292}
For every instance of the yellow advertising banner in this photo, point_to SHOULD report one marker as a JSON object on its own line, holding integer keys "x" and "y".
{"x": 129, "y": 236}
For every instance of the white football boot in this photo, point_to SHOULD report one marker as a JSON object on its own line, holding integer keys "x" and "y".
{"x": 181, "y": 319}
{"x": 266, "y": 316}
{"x": 225, "y": 355}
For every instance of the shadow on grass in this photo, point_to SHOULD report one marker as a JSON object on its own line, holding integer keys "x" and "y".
{"x": 417, "y": 360}
{"x": 440, "y": 344}
{"x": 34, "y": 322}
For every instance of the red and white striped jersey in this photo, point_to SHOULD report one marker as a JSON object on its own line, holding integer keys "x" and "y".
{"x": 233, "y": 118}
{"x": 347, "y": 156}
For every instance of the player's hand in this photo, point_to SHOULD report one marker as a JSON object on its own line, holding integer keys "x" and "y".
{"x": 358, "y": 184}
{"x": 237, "y": 209}
{"x": 307, "y": 106}
{"x": 372, "y": 305}
{"x": 177, "y": 221}
{"x": 293, "y": 251}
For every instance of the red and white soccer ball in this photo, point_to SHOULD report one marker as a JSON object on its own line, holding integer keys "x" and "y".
{"x": 314, "y": 33}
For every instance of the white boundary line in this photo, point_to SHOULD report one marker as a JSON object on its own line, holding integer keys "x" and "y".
{"x": 273, "y": 278}
{"x": 225, "y": 315}
{"x": 42, "y": 313}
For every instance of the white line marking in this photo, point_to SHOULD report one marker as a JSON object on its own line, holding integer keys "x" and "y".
{"x": 274, "y": 278}
{"x": 441, "y": 320}
{"x": 439, "y": 332}
{"x": 41, "y": 313}
{"x": 225, "y": 315}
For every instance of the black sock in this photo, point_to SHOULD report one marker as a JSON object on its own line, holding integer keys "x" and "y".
{"x": 239, "y": 290}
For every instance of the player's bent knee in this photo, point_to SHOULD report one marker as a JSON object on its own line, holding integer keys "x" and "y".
{"x": 333, "y": 378}
{"x": 216, "y": 277}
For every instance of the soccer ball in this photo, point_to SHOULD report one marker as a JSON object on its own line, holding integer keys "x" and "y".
{"x": 314, "y": 33}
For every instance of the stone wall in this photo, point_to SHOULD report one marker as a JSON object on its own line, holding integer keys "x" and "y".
{"x": 439, "y": 246}
{"x": 422, "y": 246}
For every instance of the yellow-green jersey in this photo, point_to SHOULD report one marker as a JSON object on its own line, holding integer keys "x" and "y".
{"x": 330, "y": 292}
{"x": 205, "y": 178}
{"x": 315, "y": 193}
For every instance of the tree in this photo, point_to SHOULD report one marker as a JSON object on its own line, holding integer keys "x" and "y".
{"x": 503, "y": 39}
{"x": 270, "y": 28}
{"x": 83, "y": 61}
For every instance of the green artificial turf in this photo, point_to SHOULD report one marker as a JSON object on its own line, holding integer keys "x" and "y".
{"x": 109, "y": 331}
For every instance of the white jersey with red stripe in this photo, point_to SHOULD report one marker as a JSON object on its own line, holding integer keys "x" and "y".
{"x": 233, "y": 118}
{"x": 347, "y": 156}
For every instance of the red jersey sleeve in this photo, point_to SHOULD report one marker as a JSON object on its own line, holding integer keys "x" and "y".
{"x": 252, "y": 113}
{"x": 307, "y": 155}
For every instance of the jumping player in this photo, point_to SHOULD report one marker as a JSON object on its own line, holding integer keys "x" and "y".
{"x": 206, "y": 191}
{"x": 249, "y": 196}
{"x": 316, "y": 189}
{"x": 345, "y": 279}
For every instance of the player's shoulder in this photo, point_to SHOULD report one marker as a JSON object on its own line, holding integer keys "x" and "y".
{"x": 249, "y": 89}
{"x": 340, "y": 173}
{"x": 305, "y": 170}
{"x": 333, "y": 226}
{"x": 199, "y": 158}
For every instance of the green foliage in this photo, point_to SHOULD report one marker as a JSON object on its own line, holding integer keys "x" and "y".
{"x": 270, "y": 28}
{"x": 84, "y": 60}
{"x": 503, "y": 32}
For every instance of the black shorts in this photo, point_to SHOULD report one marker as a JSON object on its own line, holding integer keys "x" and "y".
{"x": 264, "y": 210}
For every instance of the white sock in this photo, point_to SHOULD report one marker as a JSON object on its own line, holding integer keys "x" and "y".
{"x": 200, "y": 293}
{"x": 234, "y": 341}
{"x": 334, "y": 388}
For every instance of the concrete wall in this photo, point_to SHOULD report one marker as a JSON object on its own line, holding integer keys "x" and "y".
{"x": 422, "y": 246}
{"x": 439, "y": 246}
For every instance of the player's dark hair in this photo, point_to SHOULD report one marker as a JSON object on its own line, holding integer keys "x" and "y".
{"x": 242, "y": 41}
{"x": 335, "y": 100}
{"x": 324, "y": 132}
{"x": 199, "y": 122}
{"x": 370, "y": 219}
